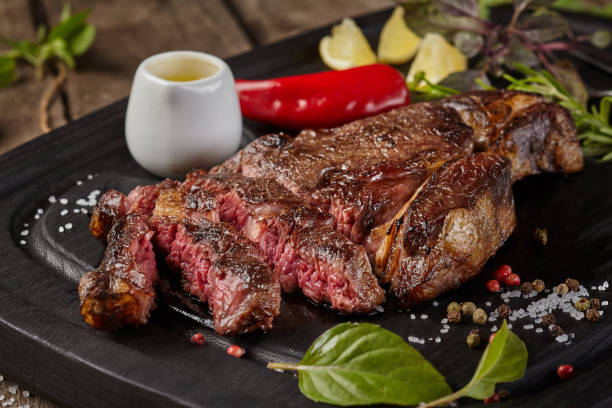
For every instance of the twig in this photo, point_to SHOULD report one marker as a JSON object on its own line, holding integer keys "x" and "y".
{"x": 48, "y": 96}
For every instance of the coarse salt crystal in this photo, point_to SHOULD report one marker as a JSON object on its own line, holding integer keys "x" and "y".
{"x": 435, "y": 303}
{"x": 413, "y": 339}
{"x": 12, "y": 389}
{"x": 63, "y": 212}
{"x": 37, "y": 216}
{"x": 593, "y": 287}
{"x": 488, "y": 304}
{"x": 23, "y": 242}
{"x": 89, "y": 176}
{"x": 76, "y": 211}
{"x": 52, "y": 199}
{"x": 438, "y": 339}
{"x": 412, "y": 316}
{"x": 83, "y": 211}
{"x": 1, "y": 378}
{"x": 40, "y": 211}
{"x": 79, "y": 182}
{"x": 445, "y": 320}
{"x": 1, "y": 397}
{"x": 25, "y": 224}
{"x": 24, "y": 233}
{"x": 562, "y": 338}
{"x": 424, "y": 316}
{"x": 26, "y": 393}
{"x": 604, "y": 303}
{"x": 68, "y": 225}
{"x": 12, "y": 400}
{"x": 528, "y": 326}
{"x": 443, "y": 331}
{"x": 26, "y": 406}
{"x": 539, "y": 330}
{"x": 509, "y": 325}
{"x": 494, "y": 328}
{"x": 63, "y": 201}
{"x": 60, "y": 229}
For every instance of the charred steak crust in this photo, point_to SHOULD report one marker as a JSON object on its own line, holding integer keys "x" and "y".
{"x": 363, "y": 172}
{"x": 121, "y": 291}
{"x": 460, "y": 219}
{"x": 227, "y": 271}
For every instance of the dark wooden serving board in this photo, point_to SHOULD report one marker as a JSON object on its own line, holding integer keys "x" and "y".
{"x": 44, "y": 343}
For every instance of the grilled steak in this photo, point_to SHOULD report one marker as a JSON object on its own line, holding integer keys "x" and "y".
{"x": 114, "y": 205}
{"x": 121, "y": 291}
{"x": 227, "y": 271}
{"x": 297, "y": 239}
{"x": 459, "y": 219}
{"x": 364, "y": 171}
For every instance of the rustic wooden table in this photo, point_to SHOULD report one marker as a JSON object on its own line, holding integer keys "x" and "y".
{"x": 127, "y": 32}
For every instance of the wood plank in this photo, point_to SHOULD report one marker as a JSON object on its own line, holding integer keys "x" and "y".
{"x": 128, "y": 32}
{"x": 272, "y": 20}
{"x": 19, "y": 121}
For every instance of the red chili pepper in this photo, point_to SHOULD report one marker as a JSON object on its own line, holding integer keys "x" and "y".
{"x": 492, "y": 399}
{"x": 491, "y": 337}
{"x": 198, "y": 338}
{"x": 501, "y": 273}
{"x": 324, "y": 99}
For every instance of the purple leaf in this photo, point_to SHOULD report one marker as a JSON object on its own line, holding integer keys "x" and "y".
{"x": 468, "y": 43}
{"x": 565, "y": 72}
{"x": 543, "y": 27}
{"x": 457, "y": 8}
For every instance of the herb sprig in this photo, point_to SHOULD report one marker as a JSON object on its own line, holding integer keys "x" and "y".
{"x": 364, "y": 364}
{"x": 71, "y": 37}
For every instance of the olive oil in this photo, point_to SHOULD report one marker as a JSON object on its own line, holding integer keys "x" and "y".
{"x": 186, "y": 77}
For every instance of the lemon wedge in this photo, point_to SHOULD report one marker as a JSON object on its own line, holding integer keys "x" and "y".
{"x": 397, "y": 43}
{"x": 437, "y": 58}
{"x": 347, "y": 47}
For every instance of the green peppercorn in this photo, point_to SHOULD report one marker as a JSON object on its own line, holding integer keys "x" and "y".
{"x": 538, "y": 285}
{"x": 526, "y": 288}
{"x": 453, "y": 316}
{"x": 562, "y": 289}
{"x": 582, "y": 304}
{"x": 479, "y": 316}
{"x": 453, "y": 307}
{"x": 541, "y": 235}
{"x": 548, "y": 319}
{"x": 473, "y": 339}
{"x": 595, "y": 304}
{"x": 572, "y": 284}
{"x": 556, "y": 330}
{"x": 592, "y": 315}
{"x": 468, "y": 308}
{"x": 503, "y": 310}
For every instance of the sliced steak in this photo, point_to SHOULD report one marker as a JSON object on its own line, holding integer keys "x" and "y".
{"x": 444, "y": 236}
{"x": 297, "y": 239}
{"x": 227, "y": 271}
{"x": 364, "y": 171}
{"x": 114, "y": 205}
{"x": 121, "y": 291}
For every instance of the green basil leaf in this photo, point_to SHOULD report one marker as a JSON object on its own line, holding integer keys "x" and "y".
{"x": 80, "y": 41}
{"x": 362, "y": 364}
{"x": 68, "y": 27}
{"x": 504, "y": 360}
{"x": 60, "y": 50}
{"x": 65, "y": 12}
{"x": 7, "y": 70}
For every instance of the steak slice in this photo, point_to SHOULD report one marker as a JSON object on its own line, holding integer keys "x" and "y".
{"x": 364, "y": 171}
{"x": 121, "y": 291}
{"x": 114, "y": 205}
{"x": 227, "y": 271}
{"x": 297, "y": 239}
{"x": 446, "y": 233}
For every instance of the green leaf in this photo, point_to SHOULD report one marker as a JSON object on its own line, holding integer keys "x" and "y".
{"x": 504, "y": 360}
{"x": 7, "y": 71}
{"x": 65, "y": 12}
{"x": 68, "y": 27}
{"x": 80, "y": 41}
{"x": 364, "y": 364}
{"x": 60, "y": 50}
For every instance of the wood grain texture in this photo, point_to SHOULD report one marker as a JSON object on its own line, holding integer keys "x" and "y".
{"x": 22, "y": 396}
{"x": 129, "y": 32}
{"x": 271, "y": 20}
{"x": 19, "y": 120}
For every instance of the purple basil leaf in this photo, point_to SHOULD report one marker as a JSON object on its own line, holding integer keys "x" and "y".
{"x": 457, "y": 8}
{"x": 565, "y": 72}
{"x": 468, "y": 43}
{"x": 525, "y": 3}
{"x": 423, "y": 18}
{"x": 543, "y": 27}
{"x": 465, "y": 80}
{"x": 517, "y": 52}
